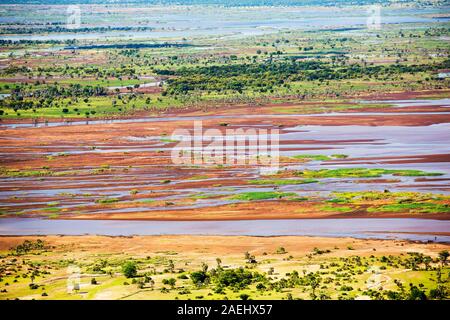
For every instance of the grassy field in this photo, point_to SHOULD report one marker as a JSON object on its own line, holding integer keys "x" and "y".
{"x": 350, "y": 269}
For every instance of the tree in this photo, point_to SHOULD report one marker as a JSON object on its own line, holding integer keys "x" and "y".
{"x": 443, "y": 255}
{"x": 129, "y": 269}
{"x": 440, "y": 292}
{"x": 171, "y": 266}
{"x": 313, "y": 280}
{"x": 170, "y": 282}
{"x": 260, "y": 287}
{"x": 427, "y": 261}
{"x": 281, "y": 250}
{"x": 199, "y": 277}
{"x": 416, "y": 294}
{"x": 244, "y": 296}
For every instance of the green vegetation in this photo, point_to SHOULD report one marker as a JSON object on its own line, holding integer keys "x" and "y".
{"x": 95, "y": 80}
{"x": 336, "y": 208}
{"x": 402, "y": 197}
{"x": 33, "y": 268}
{"x": 409, "y": 202}
{"x": 29, "y": 246}
{"x": 282, "y": 182}
{"x": 268, "y": 76}
{"x": 318, "y": 157}
{"x": 414, "y": 207}
{"x": 262, "y": 195}
{"x": 291, "y": 71}
{"x": 106, "y": 200}
{"x": 361, "y": 173}
{"x": 129, "y": 269}
{"x": 16, "y": 173}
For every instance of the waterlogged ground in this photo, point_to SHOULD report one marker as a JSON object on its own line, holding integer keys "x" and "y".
{"x": 214, "y": 267}
{"x": 355, "y": 206}
{"x": 377, "y": 162}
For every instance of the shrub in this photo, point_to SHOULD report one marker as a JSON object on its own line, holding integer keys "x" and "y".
{"x": 199, "y": 277}
{"x": 129, "y": 269}
{"x": 237, "y": 278}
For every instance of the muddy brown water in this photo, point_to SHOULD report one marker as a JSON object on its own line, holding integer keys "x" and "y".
{"x": 407, "y": 229}
{"x": 388, "y": 147}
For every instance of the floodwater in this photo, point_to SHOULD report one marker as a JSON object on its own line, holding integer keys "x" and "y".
{"x": 409, "y": 229}
{"x": 175, "y": 22}
{"x": 412, "y": 103}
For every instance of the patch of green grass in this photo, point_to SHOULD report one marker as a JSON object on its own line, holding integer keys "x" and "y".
{"x": 51, "y": 209}
{"x": 339, "y": 156}
{"x": 262, "y": 195}
{"x": 203, "y": 196}
{"x": 282, "y": 182}
{"x": 146, "y": 200}
{"x": 364, "y": 196}
{"x": 362, "y": 173}
{"x": 95, "y": 107}
{"x": 336, "y": 209}
{"x": 106, "y": 200}
{"x": 426, "y": 207}
{"x": 16, "y": 173}
{"x": 52, "y": 204}
{"x": 298, "y": 199}
{"x": 319, "y": 157}
{"x": 167, "y": 140}
{"x": 314, "y": 157}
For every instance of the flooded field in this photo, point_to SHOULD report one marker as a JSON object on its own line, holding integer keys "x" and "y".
{"x": 176, "y": 22}
{"x": 112, "y": 172}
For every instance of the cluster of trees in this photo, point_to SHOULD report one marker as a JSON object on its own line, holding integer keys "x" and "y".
{"x": 124, "y": 70}
{"x": 241, "y": 278}
{"x": 21, "y": 99}
{"x": 15, "y": 69}
{"x": 265, "y": 76}
{"x": 4, "y": 43}
{"x": 56, "y": 29}
{"x": 236, "y": 279}
{"x": 72, "y": 90}
{"x": 134, "y": 46}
